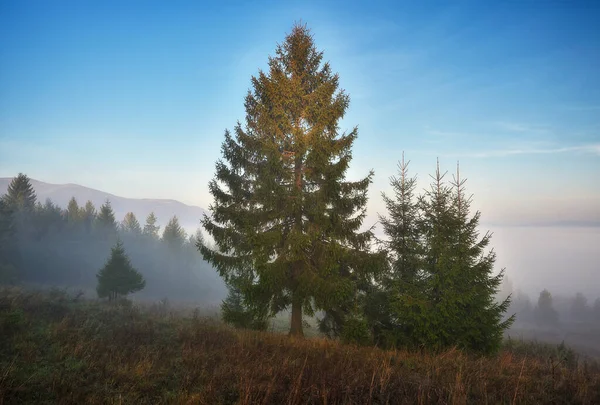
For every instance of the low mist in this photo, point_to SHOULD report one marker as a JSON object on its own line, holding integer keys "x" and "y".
{"x": 66, "y": 247}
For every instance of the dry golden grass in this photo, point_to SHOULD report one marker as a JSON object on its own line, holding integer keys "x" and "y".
{"x": 57, "y": 351}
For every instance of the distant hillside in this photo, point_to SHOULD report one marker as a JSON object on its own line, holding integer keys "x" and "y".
{"x": 189, "y": 216}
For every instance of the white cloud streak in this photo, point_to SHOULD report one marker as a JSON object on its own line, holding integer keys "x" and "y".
{"x": 588, "y": 149}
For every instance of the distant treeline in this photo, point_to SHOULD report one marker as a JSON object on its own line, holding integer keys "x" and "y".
{"x": 43, "y": 243}
{"x": 551, "y": 311}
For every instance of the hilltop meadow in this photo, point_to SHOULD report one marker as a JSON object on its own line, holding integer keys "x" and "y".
{"x": 61, "y": 348}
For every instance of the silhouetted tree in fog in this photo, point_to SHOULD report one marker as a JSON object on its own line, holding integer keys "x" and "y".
{"x": 118, "y": 277}
{"x": 545, "y": 314}
{"x": 8, "y": 245}
{"x": 49, "y": 218}
{"x": 131, "y": 225}
{"x": 173, "y": 235}
{"x": 73, "y": 213}
{"x": 580, "y": 310}
{"x": 105, "y": 224}
{"x": 150, "y": 228}
{"x": 88, "y": 216}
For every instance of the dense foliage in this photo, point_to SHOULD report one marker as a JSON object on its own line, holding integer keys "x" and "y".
{"x": 118, "y": 277}
{"x": 285, "y": 220}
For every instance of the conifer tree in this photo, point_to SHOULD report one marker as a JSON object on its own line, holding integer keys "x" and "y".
{"x": 131, "y": 225}
{"x": 8, "y": 246}
{"x": 118, "y": 277}
{"x": 88, "y": 216}
{"x": 472, "y": 272}
{"x": 73, "y": 213}
{"x": 20, "y": 195}
{"x": 196, "y": 239}
{"x": 284, "y": 217}
{"x": 49, "y": 218}
{"x": 397, "y": 305}
{"x": 236, "y": 313}
{"x": 21, "y": 200}
{"x": 174, "y": 235}
{"x": 579, "y": 307}
{"x": 441, "y": 289}
{"x": 106, "y": 223}
{"x": 544, "y": 312}
{"x": 150, "y": 228}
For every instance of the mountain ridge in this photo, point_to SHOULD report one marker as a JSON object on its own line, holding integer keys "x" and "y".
{"x": 189, "y": 215}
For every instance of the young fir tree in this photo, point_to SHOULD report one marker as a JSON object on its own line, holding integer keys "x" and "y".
{"x": 458, "y": 274}
{"x": 118, "y": 277}
{"x": 131, "y": 225}
{"x": 150, "y": 228}
{"x": 397, "y": 306}
{"x": 284, "y": 217}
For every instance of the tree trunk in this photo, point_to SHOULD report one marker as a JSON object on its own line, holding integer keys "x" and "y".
{"x": 296, "y": 324}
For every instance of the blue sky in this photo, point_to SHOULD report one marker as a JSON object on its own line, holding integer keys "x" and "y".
{"x": 133, "y": 97}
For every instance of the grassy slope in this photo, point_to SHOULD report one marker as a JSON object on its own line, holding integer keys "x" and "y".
{"x": 55, "y": 350}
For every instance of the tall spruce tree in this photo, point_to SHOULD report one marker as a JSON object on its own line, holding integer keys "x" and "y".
{"x": 397, "y": 305}
{"x": 284, "y": 218}
{"x": 150, "y": 228}
{"x": 461, "y": 287}
{"x": 482, "y": 325}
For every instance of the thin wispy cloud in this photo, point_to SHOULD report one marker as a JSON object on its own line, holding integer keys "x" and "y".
{"x": 522, "y": 127}
{"x": 593, "y": 149}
